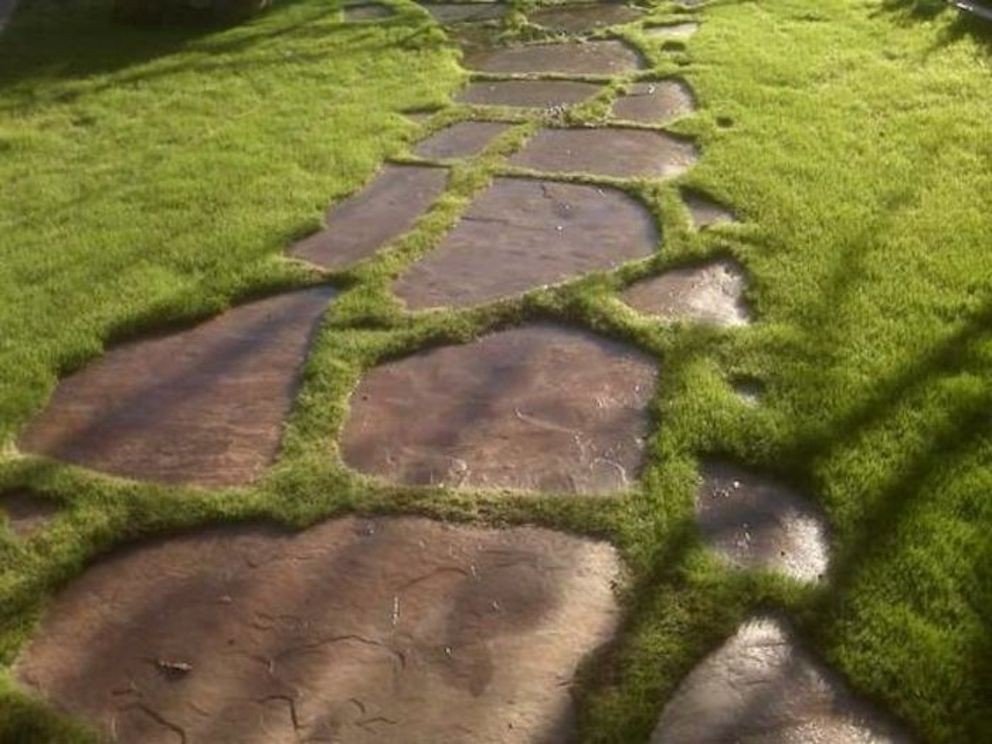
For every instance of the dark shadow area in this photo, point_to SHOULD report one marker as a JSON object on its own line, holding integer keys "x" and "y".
{"x": 964, "y": 24}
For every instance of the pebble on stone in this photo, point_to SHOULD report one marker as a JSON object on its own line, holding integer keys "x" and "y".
{"x": 465, "y": 12}
{"x": 706, "y": 212}
{"x": 524, "y": 233}
{"x": 572, "y": 58}
{"x": 538, "y": 408}
{"x": 203, "y": 406}
{"x": 389, "y": 629}
{"x": 654, "y": 102}
{"x": 584, "y": 18}
{"x": 608, "y": 151}
{"x": 385, "y": 209}
{"x": 762, "y": 686}
{"x": 370, "y": 12}
{"x": 710, "y": 293}
{"x": 672, "y": 31}
{"x": 527, "y": 93}
{"x": 26, "y": 514}
{"x": 754, "y": 522}
{"x": 461, "y": 140}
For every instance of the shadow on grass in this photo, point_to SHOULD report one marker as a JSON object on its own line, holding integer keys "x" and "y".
{"x": 963, "y": 25}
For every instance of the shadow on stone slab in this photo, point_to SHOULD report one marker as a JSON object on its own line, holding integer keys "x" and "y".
{"x": 585, "y": 17}
{"x": 710, "y": 293}
{"x": 523, "y": 233}
{"x": 370, "y": 12}
{"x": 461, "y": 140}
{"x": 25, "y": 513}
{"x": 572, "y": 58}
{"x": 538, "y": 408}
{"x": 202, "y": 406}
{"x": 527, "y": 93}
{"x": 705, "y": 212}
{"x": 654, "y": 102}
{"x": 672, "y": 31}
{"x": 465, "y": 12}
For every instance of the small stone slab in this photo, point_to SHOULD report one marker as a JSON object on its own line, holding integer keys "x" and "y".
{"x": 706, "y": 212}
{"x": 538, "y": 408}
{"x": 584, "y": 18}
{"x": 761, "y": 686}
{"x": 571, "y": 58}
{"x": 370, "y": 12}
{"x": 385, "y": 209}
{"x": 754, "y": 522}
{"x": 527, "y": 93}
{"x": 461, "y": 140}
{"x": 524, "y": 233}
{"x": 654, "y": 102}
{"x": 203, "y": 406}
{"x": 26, "y": 514}
{"x": 465, "y": 12}
{"x": 711, "y": 293}
{"x": 608, "y": 151}
{"x": 672, "y": 31}
{"x": 383, "y": 630}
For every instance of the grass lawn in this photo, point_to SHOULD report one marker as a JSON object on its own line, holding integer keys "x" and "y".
{"x": 151, "y": 178}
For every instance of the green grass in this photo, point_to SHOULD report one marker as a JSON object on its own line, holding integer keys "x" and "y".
{"x": 154, "y": 177}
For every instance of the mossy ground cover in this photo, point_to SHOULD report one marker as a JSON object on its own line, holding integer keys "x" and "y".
{"x": 154, "y": 177}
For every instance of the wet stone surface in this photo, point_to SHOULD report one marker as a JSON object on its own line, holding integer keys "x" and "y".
{"x": 527, "y": 93}
{"x": 583, "y": 18}
{"x": 711, "y": 293}
{"x": 542, "y": 407}
{"x": 26, "y": 514}
{"x": 672, "y": 31}
{"x": 370, "y": 12}
{"x": 575, "y": 58}
{"x": 755, "y": 522}
{"x": 706, "y": 212}
{"x": 354, "y": 630}
{"x": 654, "y": 102}
{"x": 761, "y": 686}
{"x": 382, "y": 211}
{"x": 524, "y": 233}
{"x": 461, "y": 140}
{"x": 203, "y": 406}
{"x": 465, "y": 12}
{"x": 608, "y": 151}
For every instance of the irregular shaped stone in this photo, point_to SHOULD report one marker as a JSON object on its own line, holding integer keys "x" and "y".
{"x": 583, "y": 18}
{"x": 524, "y": 233}
{"x": 385, "y": 209}
{"x": 354, "y": 630}
{"x": 26, "y": 514}
{"x": 204, "y": 405}
{"x": 573, "y": 58}
{"x": 465, "y": 12}
{"x": 461, "y": 140}
{"x": 672, "y": 31}
{"x": 654, "y": 102}
{"x": 711, "y": 293}
{"x": 539, "y": 408}
{"x": 609, "y": 151}
{"x": 754, "y": 522}
{"x": 761, "y": 686}
{"x": 706, "y": 212}
{"x": 370, "y": 12}
{"x": 527, "y": 93}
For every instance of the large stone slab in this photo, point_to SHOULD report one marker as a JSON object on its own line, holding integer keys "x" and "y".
{"x": 654, "y": 102}
{"x": 386, "y": 630}
{"x": 608, "y": 151}
{"x": 524, "y": 233}
{"x": 572, "y": 58}
{"x": 539, "y": 408}
{"x": 368, "y": 12}
{"x": 385, "y": 209}
{"x": 711, "y": 293}
{"x": 461, "y": 140}
{"x": 204, "y": 405}
{"x": 527, "y": 93}
{"x": 26, "y": 514}
{"x": 761, "y": 686}
{"x": 585, "y": 17}
{"x": 465, "y": 12}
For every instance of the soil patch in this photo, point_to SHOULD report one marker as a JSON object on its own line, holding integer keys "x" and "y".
{"x": 26, "y": 514}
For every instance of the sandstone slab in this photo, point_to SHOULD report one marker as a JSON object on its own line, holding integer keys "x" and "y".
{"x": 711, "y": 293}
{"x": 461, "y": 140}
{"x": 370, "y": 12}
{"x": 527, "y": 93}
{"x": 26, "y": 514}
{"x": 584, "y": 18}
{"x": 570, "y": 58}
{"x": 654, "y": 102}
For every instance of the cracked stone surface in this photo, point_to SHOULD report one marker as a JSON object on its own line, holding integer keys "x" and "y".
{"x": 524, "y": 233}
{"x": 527, "y": 93}
{"x": 574, "y": 58}
{"x": 672, "y": 31}
{"x": 762, "y": 686}
{"x": 706, "y": 212}
{"x": 204, "y": 405}
{"x": 710, "y": 293}
{"x": 607, "y": 151}
{"x": 465, "y": 12}
{"x": 382, "y": 211}
{"x": 543, "y": 407}
{"x": 461, "y": 140}
{"x": 583, "y": 18}
{"x": 26, "y": 514}
{"x": 654, "y": 102}
{"x": 756, "y": 522}
{"x": 390, "y": 629}
{"x": 370, "y": 12}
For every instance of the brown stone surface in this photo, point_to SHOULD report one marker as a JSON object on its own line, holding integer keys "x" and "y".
{"x": 527, "y": 93}
{"x": 583, "y": 18}
{"x": 608, "y": 151}
{"x": 461, "y": 140}
{"x": 672, "y": 31}
{"x": 202, "y": 406}
{"x": 26, "y": 514}
{"x": 385, "y": 630}
{"x": 523, "y": 233}
{"x": 574, "y": 58}
{"x": 711, "y": 293}
{"x": 465, "y": 12}
{"x": 706, "y": 212}
{"x": 540, "y": 408}
{"x": 654, "y": 102}
{"x": 761, "y": 686}
{"x": 755, "y": 522}
{"x": 370, "y": 12}
{"x": 382, "y": 211}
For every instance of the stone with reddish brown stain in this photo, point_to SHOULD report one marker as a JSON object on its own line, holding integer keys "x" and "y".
{"x": 538, "y": 408}
{"x": 461, "y": 140}
{"x": 370, "y": 12}
{"x": 711, "y": 293}
{"x": 654, "y": 102}
{"x": 584, "y": 18}
{"x": 25, "y": 513}
{"x": 385, "y": 209}
{"x": 572, "y": 58}
{"x": 672, "y": 31}
{"x": 706, "y": 212}
{"x": 524, "y": 233}
{"x": 465, "y": 12}
{"x": 389, "y": 629}
{"x": 203, "y": 406}
{"x": 527, "y": 93}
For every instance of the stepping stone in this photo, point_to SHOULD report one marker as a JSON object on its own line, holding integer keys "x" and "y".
{"x": 26, "y": 514}
{"x": 461, "y": 140}
{"x": 399, "y": 629}
{"x": 609, "y": 151}
{"x": 754, "y": 522}
{"x": 371, "y": 12}
{"x": 528, "y": 93}
{"x": 711, "y": 293}
{"x": 654, "y": 103}
{"x": 465, "y": 12}
{"x": 579, "y": 19}
{"x": 523, "y": 233}
{"x": 538, "y": 408}
{"x": 570, "y": 58}
{"x": 706, "y": 212}
{"x": 385, "y": 209}
{"x": 203, "y": 406}
{"x": 672, "y": 31}
{"x": 761, "y": 686}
